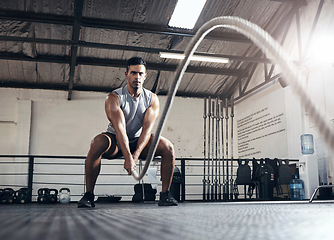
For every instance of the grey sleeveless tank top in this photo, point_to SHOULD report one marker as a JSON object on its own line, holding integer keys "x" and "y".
{"x": 133, "y": 109}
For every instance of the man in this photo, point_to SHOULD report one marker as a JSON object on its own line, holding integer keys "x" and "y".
{"x": 132, "y": 111}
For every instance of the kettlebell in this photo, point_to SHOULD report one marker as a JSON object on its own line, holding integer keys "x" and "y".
{"x": 64, "y": 195}
{"x": 2, "y": 196}
{"x": 22, "y": 196}
{"x": 43, "y": 195}
{"x": 9, "y": 195}
{"x": 53, "y": 195}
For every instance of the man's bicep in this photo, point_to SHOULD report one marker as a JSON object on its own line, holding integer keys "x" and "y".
{"x": 155, "y": 104}
{"x": 152, "y": 112}
{"x": 114, "y": 112}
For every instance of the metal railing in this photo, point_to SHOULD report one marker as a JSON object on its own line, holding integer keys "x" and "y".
{"x": 35, "y": 174}
{"x": 38, "y": 171}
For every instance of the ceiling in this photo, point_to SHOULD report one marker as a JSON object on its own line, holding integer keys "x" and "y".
{"x": 84, "y": 44}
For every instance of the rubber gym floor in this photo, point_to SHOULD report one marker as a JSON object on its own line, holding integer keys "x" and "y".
{"x": 189, "y": 220}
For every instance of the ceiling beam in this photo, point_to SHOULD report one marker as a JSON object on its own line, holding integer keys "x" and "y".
{"x": 64, "y": 87}
{"x": 6, "y": 14}
{"x": 251, "y": 73}
{"x": 36, "y": 40}
{"x": 115, "y": 25}
{"x": 160, "y": 66}
{"x": 118, "y": 63}
{"x": 34, "y": 85}
{"x": 269, "y": 82}
{"x": 74, "y": 48}
{"x": 126, "y": 48}
{"x": 190, "y": 94}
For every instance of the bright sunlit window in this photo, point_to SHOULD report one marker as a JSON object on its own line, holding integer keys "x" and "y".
{"x": 186, "y": 13}
{"x": 322, "y": 49}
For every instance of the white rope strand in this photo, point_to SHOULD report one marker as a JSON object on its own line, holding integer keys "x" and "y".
{"x": 272, "y": 50}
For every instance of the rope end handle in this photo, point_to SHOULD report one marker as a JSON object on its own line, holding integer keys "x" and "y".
{"x": 135, "y": 174}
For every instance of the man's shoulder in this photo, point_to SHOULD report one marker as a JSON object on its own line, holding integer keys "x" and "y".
{"x": 118, "y": 91}
{"x": 112, "y": 97}
{"x": 149, "y": 92}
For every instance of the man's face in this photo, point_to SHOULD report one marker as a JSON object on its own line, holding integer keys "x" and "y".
{"x": 136, "y": 76}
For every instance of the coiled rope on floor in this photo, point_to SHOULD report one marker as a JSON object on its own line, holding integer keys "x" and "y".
{"x": 271, "y": 49}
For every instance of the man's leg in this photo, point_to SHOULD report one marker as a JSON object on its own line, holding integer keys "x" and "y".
{"x": 165, "y": 149}
{"x": 101, "y": 144}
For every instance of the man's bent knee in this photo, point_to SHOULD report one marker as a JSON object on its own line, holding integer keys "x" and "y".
{"x": 100, "y": 144}
{"x": 167, "y": 147}
{"x": 170, "y": 148}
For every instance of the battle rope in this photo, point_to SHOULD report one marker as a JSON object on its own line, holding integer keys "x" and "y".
{"x": 271, "y": 49}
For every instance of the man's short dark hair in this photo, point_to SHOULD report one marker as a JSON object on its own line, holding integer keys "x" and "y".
{"x": 135, "y": 61}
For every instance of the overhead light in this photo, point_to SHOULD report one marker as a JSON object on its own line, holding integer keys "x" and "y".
{"x": 194, "y": 57}
{"x": 186, "y": 13}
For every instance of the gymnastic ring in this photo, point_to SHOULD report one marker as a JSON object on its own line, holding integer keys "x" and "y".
{"x": 272, "y": 50}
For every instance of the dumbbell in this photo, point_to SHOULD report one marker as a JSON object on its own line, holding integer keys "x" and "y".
{"x": 43, "y": 195}
{"x": 22, "y": 195}
{"x": 53, "y": 195}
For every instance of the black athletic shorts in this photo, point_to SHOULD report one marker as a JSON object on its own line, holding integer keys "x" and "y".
{"x": 132, "y": 144}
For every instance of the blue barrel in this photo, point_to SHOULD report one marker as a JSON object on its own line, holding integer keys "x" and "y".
{"x": 297, "y": 191}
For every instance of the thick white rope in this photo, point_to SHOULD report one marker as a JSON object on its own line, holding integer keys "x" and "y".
{"x": 272, "y": 50}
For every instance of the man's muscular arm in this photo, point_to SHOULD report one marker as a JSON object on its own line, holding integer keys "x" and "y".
{"x": 116, "y": 117}
{"x": 151, "y": 115}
